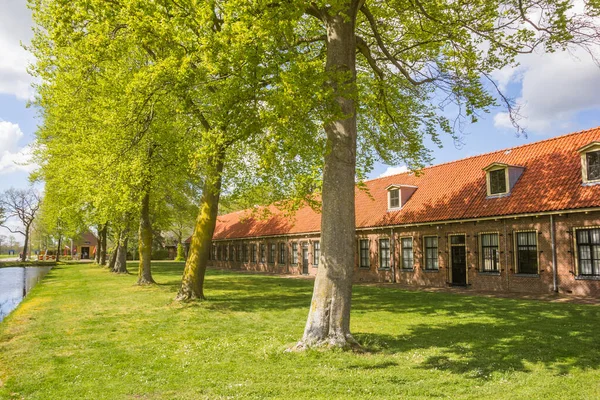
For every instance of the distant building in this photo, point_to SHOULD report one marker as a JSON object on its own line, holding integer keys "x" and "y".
{"x": 525, "y": 219}
{"x": 84, "y": 247}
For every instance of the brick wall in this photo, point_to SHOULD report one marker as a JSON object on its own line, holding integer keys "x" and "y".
{"x": 506, "y": 279}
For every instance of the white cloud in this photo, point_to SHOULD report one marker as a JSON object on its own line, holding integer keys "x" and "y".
{"x": 12, "y": 157}
{"x": 15, "y": 27}
{"x": 555, "y": 87}
{"x": 394, "y": 171}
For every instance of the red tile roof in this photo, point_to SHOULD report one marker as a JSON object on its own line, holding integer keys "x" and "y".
{"x": 456, "y": 190}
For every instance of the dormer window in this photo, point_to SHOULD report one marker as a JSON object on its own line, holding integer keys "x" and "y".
{"x": 398, "y": 195}
{"x": 498, "y": 181}
{"x": 394, "y": 201}
{"x": 500, "y": 178}
{"x": 590, "y": 163}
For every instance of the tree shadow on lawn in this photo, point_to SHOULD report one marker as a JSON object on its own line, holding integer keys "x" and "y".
{"x": 468, "y": 334}
{"x": 486, "y": 335}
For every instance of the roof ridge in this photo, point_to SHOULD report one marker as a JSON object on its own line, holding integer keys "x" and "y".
{"x": 492, "y": 152}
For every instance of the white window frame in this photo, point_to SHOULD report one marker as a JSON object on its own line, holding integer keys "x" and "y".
{"x": 480, "y": 249}
{"x": 399, "y": 206}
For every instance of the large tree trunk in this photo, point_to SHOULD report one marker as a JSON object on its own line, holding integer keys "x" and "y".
{"x": 25, "y": 245}
{"x": 121, "y": 263}
{"x": 113, "y": 254}
{"x": 192, "y": 283}
{"x": 103, "y": 244}
{"x": 59, "y": 248}
{"x": 329, "y": 316}
{"x": 99, "y": 245}
{"x": 145, "y": 243}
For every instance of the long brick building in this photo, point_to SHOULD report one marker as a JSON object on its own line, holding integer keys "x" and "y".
{"x": 525, "y": 219}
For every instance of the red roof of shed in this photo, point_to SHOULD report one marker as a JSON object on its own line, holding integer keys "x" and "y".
{"x": 456, "y": 190}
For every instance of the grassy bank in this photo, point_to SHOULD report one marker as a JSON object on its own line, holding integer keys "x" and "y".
{"x": 84, "y": 333}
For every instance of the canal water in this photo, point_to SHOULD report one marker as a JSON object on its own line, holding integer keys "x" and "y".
{"x": 15, "y": 283}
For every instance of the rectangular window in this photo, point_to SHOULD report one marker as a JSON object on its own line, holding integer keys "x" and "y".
{"x": 431, "y": 253}
{"x": 272, "y": 249}
{"x": 364, "y": 253}
{"x": 295, "y": 253}
{"x": 588, "y": 251}
{"x": 281, "y": 253}
{"x": 498, "y": 181}
{"x": 316, "y": 253}
{"x": 238, "y": 252}
{"x": 253, "y": 252}
{"x": 214, "y": 251}
{"x": 527, "y": 260}
{"x": 394, "y": 198}
{"x": 489, "y": 252}
{"x": 593, "y": 165}
{"x": 384, "y": 253}
{"x": 407, "y": 253}
{"x": 262, "y": 253}
{"x": 231, "y": 256}
{"x": 219, "y": 252}
{"x": 245, "y": 252}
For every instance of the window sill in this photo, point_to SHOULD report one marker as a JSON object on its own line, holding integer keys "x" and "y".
{"x": 384, "y": 269}
{"x": 527, "y": 275}
{"x": 590, "y": 183}
{"x": 407, "y": 270}
{"x": 497, "y": 196}
{"x": 490, "y": 273}
{"x": 431, "y": 271}
{"x": 587, "y": 278}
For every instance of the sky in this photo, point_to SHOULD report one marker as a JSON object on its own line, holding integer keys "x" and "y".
{"x": 558, "y": 93}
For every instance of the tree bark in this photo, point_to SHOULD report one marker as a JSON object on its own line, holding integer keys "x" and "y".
{"x": 98, "y": 246}
{"x": 329, "y": 316}
{"x": 25, "y": 244}
{"x": 59, "y": 248}
{"x": 121, "y": 257}
{"x": 145, "y": 243}
{"x": 192, "y": 282}
{"x": 103, "y": 244}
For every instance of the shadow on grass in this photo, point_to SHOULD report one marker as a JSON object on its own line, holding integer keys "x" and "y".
{"x": 479, "y": 336}
{"x": 468, "y": 335}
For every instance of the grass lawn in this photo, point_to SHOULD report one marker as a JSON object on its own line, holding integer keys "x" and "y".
{"x": 85, "y": 333}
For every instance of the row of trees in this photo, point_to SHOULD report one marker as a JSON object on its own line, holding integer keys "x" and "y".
{"x": 145, "y": 102}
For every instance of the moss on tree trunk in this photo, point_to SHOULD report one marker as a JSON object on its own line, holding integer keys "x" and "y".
{"x": 192, "y": 282}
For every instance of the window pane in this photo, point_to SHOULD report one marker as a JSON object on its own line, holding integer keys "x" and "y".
{"x": 394, "y": 198}
{"x": 595, "y": 236}
{"x": 458, "y": 239}
{"x": 364, "y": 253}
{"x": 407, "y": 253}
{"x": 593, "y": 165}
{"x": 431, "y": 253}
{"x": 384, "y": 253}
{"x": 497, "y": 182}
{"x": 294, "y": 253}
{"x": 316, "y": 253}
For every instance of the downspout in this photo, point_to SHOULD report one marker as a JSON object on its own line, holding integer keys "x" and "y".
{"x": 554, "y": 266}
{"x": 393, "y": 255}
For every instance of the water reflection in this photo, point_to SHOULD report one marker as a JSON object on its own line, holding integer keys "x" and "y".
{"x": 15, "y": 283}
